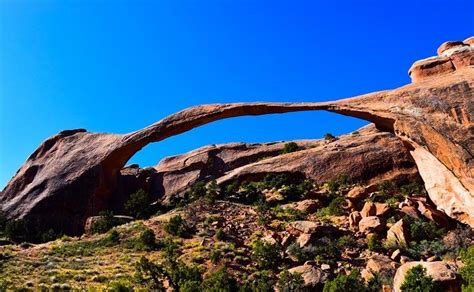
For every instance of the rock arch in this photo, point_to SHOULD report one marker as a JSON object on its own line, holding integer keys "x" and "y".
{"x": 72, "y": 173}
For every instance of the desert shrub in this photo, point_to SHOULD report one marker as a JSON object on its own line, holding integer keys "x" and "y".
{"x": 385, "y": 187}
{"x": 112, "y": 238}
{"x": 220, "y": 234}
{"x": 426, "y": 248}
{"x": 119, "y": 286}
{"x": 374, "y": 284}
{"x": 146, "y": 241}
{"x": 423, "y": 230}
{"x": 335, "y": 184}
{"x": 16, "y": 230}
{"x": 215, "y": 256}
{"x": 335, "y": 208}
{"x": 329, "y": 137}
{"x": 138, "y": 205}
{"x": 197, "y": 190}
{"x": 261, "y": 282}
{"x": 3, "y": 221}
{"x": 342, "y": 283}
{"x": 345, "y": 241}
{"x": 265, "y": 254}
{"x": 373, "y": 242}
{"x": 212, "y": 192}
{"x": 220, "y": 280}
{"x": 170, "y": 249}
{"x": 175, "y": 226}
{"x": 287, "y": 214}
{"x": 105, "y": 223}
{"x": 416, "y": 279}
{"x": 49, "y": 235}
{"x": 288, "y": 282}
{"x": 392, "y": 202}
{"x": 289, "y": 147}
{"x": 412, "y": 188}
{"x": 467, "y": 271}
{"x": 322, "y": 253}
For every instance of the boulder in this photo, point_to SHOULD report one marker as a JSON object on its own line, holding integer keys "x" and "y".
{"x": 382, "y": 265}
{"x": 382, "y": 209}
{"x": 303, "y": 226}
{"x": 354, "y": 219}
{"x": 117, "y": 220}
{"x": 368, "y": 210}
{"x": 371, "y": 224}
{"x": 434, "y": 215}
{"x": 307, "y": 206}
{"x": 303, "y": 239}
{"x": 312, "y": 275}
{"x": 449, "y": 45}
{"x": 410, "y": 211}
{"x": 441, "y": 273}
{"x": 398, "y": 234}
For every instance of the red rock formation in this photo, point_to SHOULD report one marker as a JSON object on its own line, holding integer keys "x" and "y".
{"x": 73, "y": 174}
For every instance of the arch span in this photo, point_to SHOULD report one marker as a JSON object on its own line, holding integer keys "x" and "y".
{"x": 76, "y": 171}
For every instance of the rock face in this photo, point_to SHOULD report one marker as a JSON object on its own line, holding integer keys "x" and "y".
{"x": 74, "y": 174}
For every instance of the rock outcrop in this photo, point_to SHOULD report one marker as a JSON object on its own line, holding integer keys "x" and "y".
{"x": 73, "y": 174}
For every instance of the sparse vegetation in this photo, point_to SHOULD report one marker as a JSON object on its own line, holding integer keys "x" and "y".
{"x": 265, "y": 254}
{"x": 289, "y": 147}
{"x": 467, "y": 271}
{"x": 176, "y": 226}
{"x": 329, "y": 137}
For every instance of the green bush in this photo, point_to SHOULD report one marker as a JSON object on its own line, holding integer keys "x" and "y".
{"x": 329, "y": 137}
{"x": 416, "y": 280}
{"x": 423, "y": 230}
{"x": 16, "y": 230}
{"x": 175, "y": 226}
{"x": 220, "y": 234}
{"x": 412, "y": 188}
{"x": 426, "y": 248}
{"x": 119, "y": 286}
{"x": 289, "y": 147}
{"x": 288, "y": 282}
{"x": 3, "y": 221}
{"x": 212, "y": 192}
{"x": 49, "y": 235}
{"x": 215, "y": 256}
{"x": 265, "y": 254}
{"x": 373, "y": 243}
{"x": 112, "y": 238}
{"x": 467, "y": 271}
{"x": 197, "y": 190}
{"x": 138, "y": 205}
{"x": 343, "y": 283}
{"x": 335, "y": 208}
{"x": 322, "y": 253}
{"x": 220, "y": 280}
{"x": 105, "y": 223}
{"x": 260, "y": 283}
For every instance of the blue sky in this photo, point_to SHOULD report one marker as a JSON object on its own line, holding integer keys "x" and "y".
{"x": 117, "y": 66}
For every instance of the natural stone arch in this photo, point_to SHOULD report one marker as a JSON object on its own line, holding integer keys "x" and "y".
{"x": 73, "y": 173}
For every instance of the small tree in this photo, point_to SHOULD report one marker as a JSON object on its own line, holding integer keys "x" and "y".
{"x": 138, "y": 205}
{"x": 416, "y": 280}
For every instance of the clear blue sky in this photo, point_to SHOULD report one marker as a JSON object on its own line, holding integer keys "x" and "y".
{"x": 116, "y": 66}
